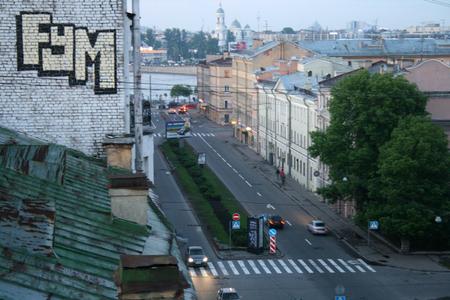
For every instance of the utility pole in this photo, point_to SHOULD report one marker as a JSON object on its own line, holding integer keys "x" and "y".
{"x": 138, "y": 130}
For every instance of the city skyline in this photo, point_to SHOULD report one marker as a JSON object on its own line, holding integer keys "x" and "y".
{"x": 195, "y": 15}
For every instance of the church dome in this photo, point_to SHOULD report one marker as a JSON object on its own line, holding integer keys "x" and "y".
{"x": 247, "y": 27}
{"x": 220, "y": 11}
{"x": 236, "y": 24}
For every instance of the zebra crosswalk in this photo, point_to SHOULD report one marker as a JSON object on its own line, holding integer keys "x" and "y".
{"x": 288, "y": 266}
{"x": 194, "y": 134}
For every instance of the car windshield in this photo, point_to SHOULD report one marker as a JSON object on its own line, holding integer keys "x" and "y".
{"x": 230, "y": 296}
{"x": 319, "y": 224}
{"x": 276, "y": 218}
{"x": 196, "y": 252}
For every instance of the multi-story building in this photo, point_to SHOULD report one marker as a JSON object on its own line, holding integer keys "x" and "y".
{"x": 286, "y": 117}
{"x": 214, "y": 89}
{"x": 245, "y": 66}
{"x": 153, "y": 56}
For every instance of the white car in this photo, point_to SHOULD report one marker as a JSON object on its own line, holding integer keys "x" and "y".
{"x": 317, "y": 227}
{"x": 227, "y": 294}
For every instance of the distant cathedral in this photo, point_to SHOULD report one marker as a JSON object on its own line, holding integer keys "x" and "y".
{"x": 221, "y": 31}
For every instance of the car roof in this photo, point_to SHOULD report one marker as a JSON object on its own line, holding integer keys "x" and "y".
{"x": 228, "y": 290}
{"x": 195, "y": 247}
{"x": 317, "y": 221}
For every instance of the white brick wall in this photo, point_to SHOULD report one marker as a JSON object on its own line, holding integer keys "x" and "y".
{"x": 50, "y": 107}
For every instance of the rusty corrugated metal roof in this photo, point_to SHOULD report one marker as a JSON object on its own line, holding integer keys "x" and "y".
{"x": 57, "y": 236}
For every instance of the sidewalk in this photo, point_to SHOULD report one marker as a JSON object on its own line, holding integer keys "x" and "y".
{"x": 348, "y": 233}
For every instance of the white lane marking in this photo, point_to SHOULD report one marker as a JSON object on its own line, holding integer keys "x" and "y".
{"x": 233, "y": 268}
{"x": 228, "y": 164}
{"x": 315, "y": 265}
{"x": 285, "y": 267}
{"x": 270, "y": 206}
{"x": 289, "y": 223}
{"x": 336, "y": 265}
{"x": 346, "y": 265}
{"x": 213, "y": 134}
{"x": 274, "y": 266}
{"x": 248, "y": 183}
{"x": 194, "y": 134}
{"x": 259, "y": 194}
{"x": 360, "y": 268}
{"x": 212, "y": 269}
{"x": 263, "y": 265}
{"x": 203, "y": 271}
{"x": 326, "y": 266}
{"x": 234, "y": 170}
{"x": 222, "y": 268}
{"x": 223, "y": 159}
{"x": 218, "y": 154}
{"x": 308, "y": 242}
{"x": 243, "y": 267}
{"x": 253, "y": 266}
{"x": 192, "y": 272}
{"x": 304, "y": 265}
{"x": 203, "y": 134}
{"x": 366, "y": 265}
{"x": 291, "y": 261}
{"x": 242, "y": 177}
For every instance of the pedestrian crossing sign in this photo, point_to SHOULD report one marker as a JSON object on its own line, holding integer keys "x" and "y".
{"x": 373, "y": 225}
{"x": 236, "y": 225}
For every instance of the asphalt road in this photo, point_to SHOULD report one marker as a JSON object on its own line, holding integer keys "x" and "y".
{"x": 312, "y": 267}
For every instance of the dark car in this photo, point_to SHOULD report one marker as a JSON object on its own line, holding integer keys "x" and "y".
{"x": 275, "y": 221}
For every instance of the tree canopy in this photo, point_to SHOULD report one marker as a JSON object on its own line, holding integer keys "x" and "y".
{"x": 364, "y": 110}
{"x": 180, "y": 46}
{"x": 288, "y": 30}
{"x": 149, "y": 38}
{"x": 414, "y": 177}
{"x": 384, "y": 152}
{"x": 180, "y": 90}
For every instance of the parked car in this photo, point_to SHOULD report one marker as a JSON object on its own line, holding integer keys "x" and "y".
{"x": 195, "y": 257}
{"x": 227, "y": 294}
{"x": 275, "y": 221}
{"x": 317, "y": 227}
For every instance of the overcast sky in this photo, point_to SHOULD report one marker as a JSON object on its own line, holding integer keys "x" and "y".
{"x": 334, "y": 14}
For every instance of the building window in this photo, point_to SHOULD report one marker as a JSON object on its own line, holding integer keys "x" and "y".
{"x": 349, "y": 63}
{"x": 225, "y": 104}
{"x": 226, "y": 118}
{"x": 309, "y": 73}
{"x": 227, "y": 88}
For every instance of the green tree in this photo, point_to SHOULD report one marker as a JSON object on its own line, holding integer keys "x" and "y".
{"x": 150, "y": 39}
{"x": 212, "y": 45}
{"x": 180, "y": 90}
{"x": 414, "y": 177}
{"x": 364, "y": 110}
{"x": 177, "y": 44}
{"x": 198, "y": 43}
{"x": 230, "y": 37}
{"x": 288, "y": 30}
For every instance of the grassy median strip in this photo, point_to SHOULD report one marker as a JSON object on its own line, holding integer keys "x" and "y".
{"x": 212, "y": 201}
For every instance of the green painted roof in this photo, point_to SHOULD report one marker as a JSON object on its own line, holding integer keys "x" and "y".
{"x": 57, "y": 236}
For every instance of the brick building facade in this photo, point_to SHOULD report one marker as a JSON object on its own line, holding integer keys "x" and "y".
{"x": 61, "y": 70}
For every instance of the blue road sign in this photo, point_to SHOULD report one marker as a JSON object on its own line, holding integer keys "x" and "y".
{"x": 373, "y": 225}
{"x": 236, "y": 225}
{"x": 340, "y": 298}
{"x": 272, "y": 232}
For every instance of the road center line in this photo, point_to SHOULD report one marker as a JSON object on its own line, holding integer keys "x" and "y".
{"x": 248, "y": 183}
{"x": 308, "y": 242}
{"x": 289, "y": 223}
{"x": 242, "y": 177}
{"x": 259, "y": 194}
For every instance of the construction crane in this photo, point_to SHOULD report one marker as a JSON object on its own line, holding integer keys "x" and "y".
{"x": 439, "y": 2}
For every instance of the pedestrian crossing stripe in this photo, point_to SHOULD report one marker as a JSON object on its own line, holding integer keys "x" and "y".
{"x": 196, "y": 134}
{"x": 280, "y": 266}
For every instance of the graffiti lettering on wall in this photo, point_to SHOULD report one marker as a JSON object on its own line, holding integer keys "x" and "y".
{"x": 66, "y": 50}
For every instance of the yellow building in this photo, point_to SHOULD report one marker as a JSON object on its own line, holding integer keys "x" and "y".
{"x": 246, "y": 64}
{"x": 214, "y": 89}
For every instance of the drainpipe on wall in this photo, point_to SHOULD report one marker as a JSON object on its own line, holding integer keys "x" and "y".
{"x": 308, "y": 173}
{"x": 276, "y": 127}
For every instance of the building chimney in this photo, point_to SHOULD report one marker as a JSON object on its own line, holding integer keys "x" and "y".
{"x": 118, "y": 151}
{"x": 129, "y": 197}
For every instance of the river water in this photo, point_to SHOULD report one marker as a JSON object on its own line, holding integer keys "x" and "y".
{"x": 161, "y": 84}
